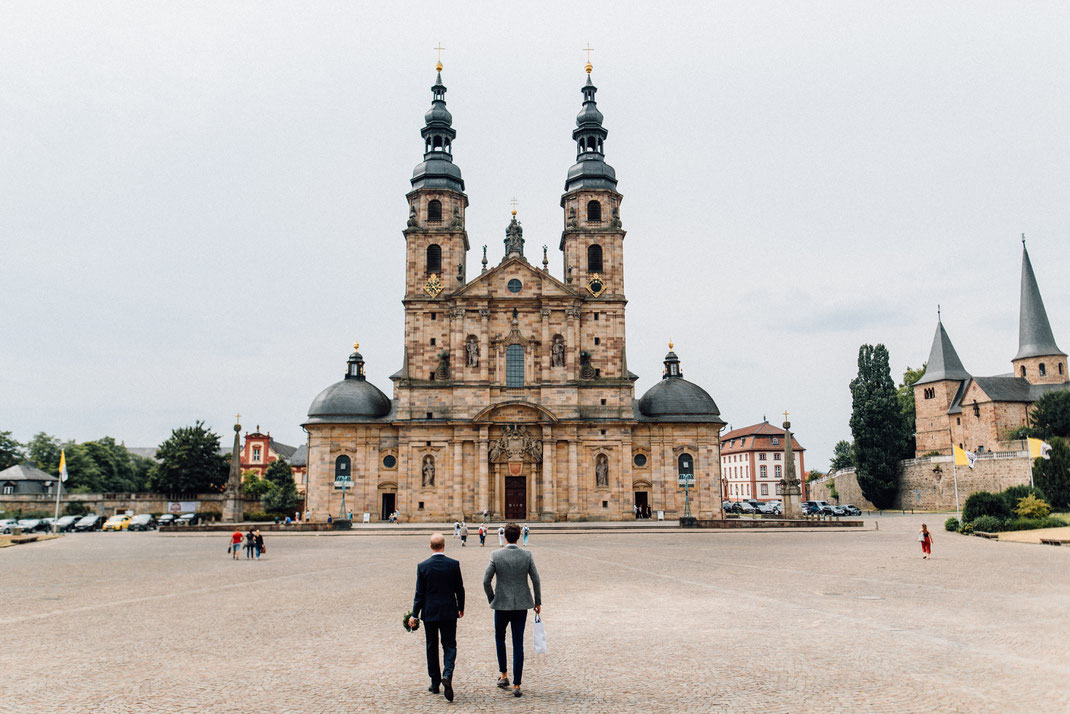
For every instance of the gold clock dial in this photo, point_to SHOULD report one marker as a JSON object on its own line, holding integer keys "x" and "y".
{"x": 433, "y": 286}
{"x": 596, "y": 286}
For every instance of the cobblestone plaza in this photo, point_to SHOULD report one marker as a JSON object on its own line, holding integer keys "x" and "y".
{"x": 664, "y": 620}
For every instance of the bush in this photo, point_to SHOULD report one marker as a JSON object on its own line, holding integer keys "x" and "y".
{"x": 257, "y": 516}
{"x": 1032, "y": 507}
{"x": 1012, "y": 495}
{"x": 966, "y": 528}
{"x": 988, "y": 524}
{"x": 76, "y": 508}
{"x": 1029, "y": 524}
{"x": 984, "y": 503}
{"x": 951, "y": 524}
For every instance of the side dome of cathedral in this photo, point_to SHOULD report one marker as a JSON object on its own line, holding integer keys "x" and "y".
{"x": 676, "y": 399}
{"x": 352, "y": 399}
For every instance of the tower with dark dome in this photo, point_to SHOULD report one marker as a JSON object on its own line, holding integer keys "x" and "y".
{"x": 514, "y": 396}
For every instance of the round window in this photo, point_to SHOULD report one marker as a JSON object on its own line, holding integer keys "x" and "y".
{"x": 639, "y": 460}
{"x": 389, "y": 461}
{"x": 514, "y": 285}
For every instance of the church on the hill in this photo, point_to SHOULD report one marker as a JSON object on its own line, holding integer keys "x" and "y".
{"x": 514, "y": 396}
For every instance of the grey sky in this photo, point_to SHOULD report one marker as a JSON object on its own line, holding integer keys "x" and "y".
{"x": 201, "y": 204}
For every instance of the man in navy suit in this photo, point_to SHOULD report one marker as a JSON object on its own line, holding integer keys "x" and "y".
{"x": 440, "y": 599}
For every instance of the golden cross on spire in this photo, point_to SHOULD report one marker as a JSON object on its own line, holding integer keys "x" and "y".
{"x": 513, "y": 202}
{"x": 670, "y": 345}
{"x": 356, "y": 346}
{"x": 588, "y": 49}
{"x": 785, "y": 416}
{"x": 237, "y": 418}
{"x": 438, "y": 62}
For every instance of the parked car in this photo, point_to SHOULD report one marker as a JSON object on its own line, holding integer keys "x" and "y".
{"x": 189, "y": 519}
{"x": 810, "y": 508}
{"x": 166, "y": 519}
{"x": 33, "y": 525}
{"x": 142, "y": 522}
{"x": 777, "y": 506}
{"x": 728, "y": 506}
{"x": 824, "y": 508}
{"x": 760, "y": 506}
{"x": 745, "y": 507}
{"x": 66, "y": 523}
{"x": 92, "y": 522}
{"x": 8, "y": 526}
{"x": 118, "y": 522}
{"x": 852, "y": 510}
{"x": 839, "y": 511}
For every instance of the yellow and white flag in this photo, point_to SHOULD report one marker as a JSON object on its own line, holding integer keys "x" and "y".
{"x": 62, "y": 465}
{"x": 964, "y": 458}
{"x": 1039, "y": 449}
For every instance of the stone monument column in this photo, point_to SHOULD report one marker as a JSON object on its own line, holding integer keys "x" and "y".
{"x": 549, "y": 449}
{"x": 790, "y": 486}
{"x": 484, "y": 475}
{"x": 232, "y": 502}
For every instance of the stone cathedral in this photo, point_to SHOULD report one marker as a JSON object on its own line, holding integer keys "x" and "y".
{"x": 514, "y": 395}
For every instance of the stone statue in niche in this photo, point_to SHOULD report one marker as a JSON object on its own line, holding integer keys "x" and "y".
{"x": 571, "y": 218}
{"x": 460, "y": 273}
{"x": 429, "y": 471}
{"x": 557, "y": 352}
{"x": 471, "y": 350}
{"x": 456, "y": 222}
{"x": 615, "y": 223}
{"x": 601, "y": 471}
{"x": 413, "y": 222}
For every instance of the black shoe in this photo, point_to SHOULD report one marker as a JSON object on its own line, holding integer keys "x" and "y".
{"x": 517, "y": 692}
{"x": 433, "y": 689}
{"x": 503, "y": 682}
{"x": 447, "y": 685}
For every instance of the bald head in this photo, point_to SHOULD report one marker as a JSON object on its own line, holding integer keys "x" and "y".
{"x": 438, "y": 542}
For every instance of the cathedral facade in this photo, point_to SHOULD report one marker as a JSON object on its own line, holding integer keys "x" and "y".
{"x": 514, "y": 396}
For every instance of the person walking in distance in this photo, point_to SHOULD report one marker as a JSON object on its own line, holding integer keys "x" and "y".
{"x": 501, "y": 536}
{"x": 250, "y": 544}
{"x": 511, "y": 599}
{"x": 926, "y": 540}
{"x": 526, "y": 531}
{"x": 464, "y": 534}
{"x": 482, "y": 534}
{"x": 456, "y": 528}
{"x": 235, "y": 544}
{"x": 258, "y": 541}
{"x": 440, "y": 600}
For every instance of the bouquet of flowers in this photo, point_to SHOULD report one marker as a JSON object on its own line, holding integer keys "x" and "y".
{"x": 405, "y": 622}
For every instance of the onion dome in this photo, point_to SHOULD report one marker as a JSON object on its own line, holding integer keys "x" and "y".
{"x": 352, "y": 399}
{"x": 438, "y": 169}
{"x": 590, "y": 169}
{"x": 676, "y": 399}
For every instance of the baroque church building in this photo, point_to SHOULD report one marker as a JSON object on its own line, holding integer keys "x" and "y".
{"x": 514, "y": 395}
{"x": 955, "y": 408}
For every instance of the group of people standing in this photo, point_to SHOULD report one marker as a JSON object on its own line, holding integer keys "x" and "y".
{"x": 460, "y": 530}
{"x": 439, "y": 602}
{"x": 253, "y": 541}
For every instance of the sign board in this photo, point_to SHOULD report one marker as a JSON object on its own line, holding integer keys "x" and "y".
{"x": 177, "y": 507}
{"x": 661, "y": 515}
{"x": 343, "y": 481}
{"x": 689, "y": 479}
{"x": 367, "y": 518}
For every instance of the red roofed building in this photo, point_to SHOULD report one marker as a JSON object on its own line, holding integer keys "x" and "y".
{"x": 260, "y": 450}
{"x": 752, "y": 463}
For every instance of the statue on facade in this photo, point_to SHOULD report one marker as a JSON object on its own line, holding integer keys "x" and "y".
{"x": 471, "y": 349}
{"x": 429, "y": 471}
{"x": 557, "y": 352}
{"x": 413, "y": 222}
{"x": 456, "y": 222}
{"x": 615, "y": 223}
{"x": 571, "y": 218}
{"x": 601, "y": 471}
{"x": 514, "y": 239}
{"x": 516, "y": 443}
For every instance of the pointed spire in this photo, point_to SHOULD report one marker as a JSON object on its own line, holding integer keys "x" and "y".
{"x": 944, "y": 362}
{"x": 1034, "y": 331}
{"x": 590, "y": 169}
{"x": 438, "y": 169}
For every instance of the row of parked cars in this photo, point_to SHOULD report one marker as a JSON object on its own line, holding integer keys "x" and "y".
{"x": 93, "y": 522}
{"x": 824, "y": 508}
{"x": 775, "y": 508}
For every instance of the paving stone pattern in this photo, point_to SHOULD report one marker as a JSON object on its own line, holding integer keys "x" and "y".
{"x": 651, "y": 621}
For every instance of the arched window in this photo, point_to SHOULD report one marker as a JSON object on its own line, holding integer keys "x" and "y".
{"x": 434, "y": 258}
{"x": 1023, "y": 370}
{"x": 1060, "y": 368}
{"x": 594, "y": 258}
{"x": 686, "y": 465}
{"x": 594, "y": 211}
{"x": 434, "y": 210}
{"x": 341, "y": 472}
{"x": 514, "y": 366}
{"x": 1043, "y": 369}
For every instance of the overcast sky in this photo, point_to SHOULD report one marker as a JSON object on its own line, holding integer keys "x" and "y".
{"x": 201, "y": 204}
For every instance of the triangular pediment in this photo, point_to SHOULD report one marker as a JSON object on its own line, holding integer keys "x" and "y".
{"x": 533, "y": 282}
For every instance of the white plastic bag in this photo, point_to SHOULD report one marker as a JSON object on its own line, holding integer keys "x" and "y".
{"x": 539, "y": 633}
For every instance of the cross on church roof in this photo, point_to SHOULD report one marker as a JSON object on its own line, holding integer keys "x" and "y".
{"x": 588, "y": 49}
{"x": 438, "y": 61}
{"x": 513, "y": 203}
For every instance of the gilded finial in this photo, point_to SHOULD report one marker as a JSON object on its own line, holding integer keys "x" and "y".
{"x": 670, "y": 345}
{"x": 588, "y": 49}
{"x": 438, "y": 62}
{"x": 356, "y": 346}
{"x": 514, "y": 205}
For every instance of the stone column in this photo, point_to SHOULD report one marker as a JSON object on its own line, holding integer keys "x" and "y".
{"x": 458, "y": 359}
{"x": 457, "y": 510}
{"x": 371, "y": 485}
{"x": 232, "y": 504}
{"x": 627, "y": 491}
{"x": 572, "y": 351}
{"x": 484, "y": 344}
{"x": 482, "y": 502}
{"x": 573, "y": 481}
{"x": 545, "y": 352}
{"x": 549, "y": 448}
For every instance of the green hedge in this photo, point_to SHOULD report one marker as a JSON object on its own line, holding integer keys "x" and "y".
{"x": 984, "y": 503}
{"x": 988, "y": 524}
{"x": 1014, "y": 493}
{"x": 1029, "y": 524}
{"x": 951, "y": 524}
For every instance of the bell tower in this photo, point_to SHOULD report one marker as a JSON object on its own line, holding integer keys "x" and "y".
{"x": 593, "y": 240}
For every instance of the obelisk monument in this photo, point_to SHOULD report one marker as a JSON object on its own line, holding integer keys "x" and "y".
{"x": 790, "y": 486}
{"x": 232, "y": 502}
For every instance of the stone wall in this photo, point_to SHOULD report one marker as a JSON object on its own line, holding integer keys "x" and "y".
{"x": 108, "y": 504}
{"x": 929, "y": 484}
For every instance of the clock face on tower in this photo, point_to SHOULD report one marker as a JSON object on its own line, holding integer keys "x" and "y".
{"x": 433, "y": 286}
{"x": 596, "y": 286}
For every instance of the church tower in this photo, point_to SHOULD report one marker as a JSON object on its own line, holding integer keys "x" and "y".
{"x": 1039, "y": 359}
{"x": 934, "y": 392}
{"x": 436, "y": 244}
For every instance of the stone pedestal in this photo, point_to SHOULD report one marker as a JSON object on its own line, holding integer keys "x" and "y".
{"x": 232, "y": 504}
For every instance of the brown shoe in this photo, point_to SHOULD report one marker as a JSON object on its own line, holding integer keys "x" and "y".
{"x": 503, "y": 682}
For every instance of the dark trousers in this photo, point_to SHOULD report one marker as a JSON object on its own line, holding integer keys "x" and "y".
{"x": 516, "y": 620}
{"x": 448, "y": 631}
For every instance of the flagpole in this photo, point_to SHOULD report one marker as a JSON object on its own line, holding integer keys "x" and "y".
{"x": 59, "y": 488}
{"x": 955, "y": 476}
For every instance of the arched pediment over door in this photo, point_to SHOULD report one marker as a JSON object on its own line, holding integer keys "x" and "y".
{"x": 515, "y": 412}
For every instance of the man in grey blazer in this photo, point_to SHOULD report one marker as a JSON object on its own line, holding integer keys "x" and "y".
{"x": 512, "y": 566}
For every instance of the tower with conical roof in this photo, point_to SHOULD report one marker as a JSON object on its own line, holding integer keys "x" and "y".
{"x": 934, "y": 393}
{"x": 593, "y": 239}
{"x": 1039, "y": 359}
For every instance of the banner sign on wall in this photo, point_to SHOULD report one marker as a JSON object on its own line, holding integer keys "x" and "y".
{"x": 177, "y": 507}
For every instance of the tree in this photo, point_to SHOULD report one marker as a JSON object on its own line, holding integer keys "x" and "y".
{"x": 1052, "y": 475}
{"x": 905, "y": 395}
{"x": 1051, "y": 416}
{"x": 43, "y": 450}
{"x": 114, "y": 463}
{"x": 877, "y": 427}
{"x": 84, "y": 475}
{"x": 189, "y": 463}
{"x": 283, "y": 496}
{"x": 843, "y": 455}
{"x": 254, "y": 487}
{"x": 10, "y": 451}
